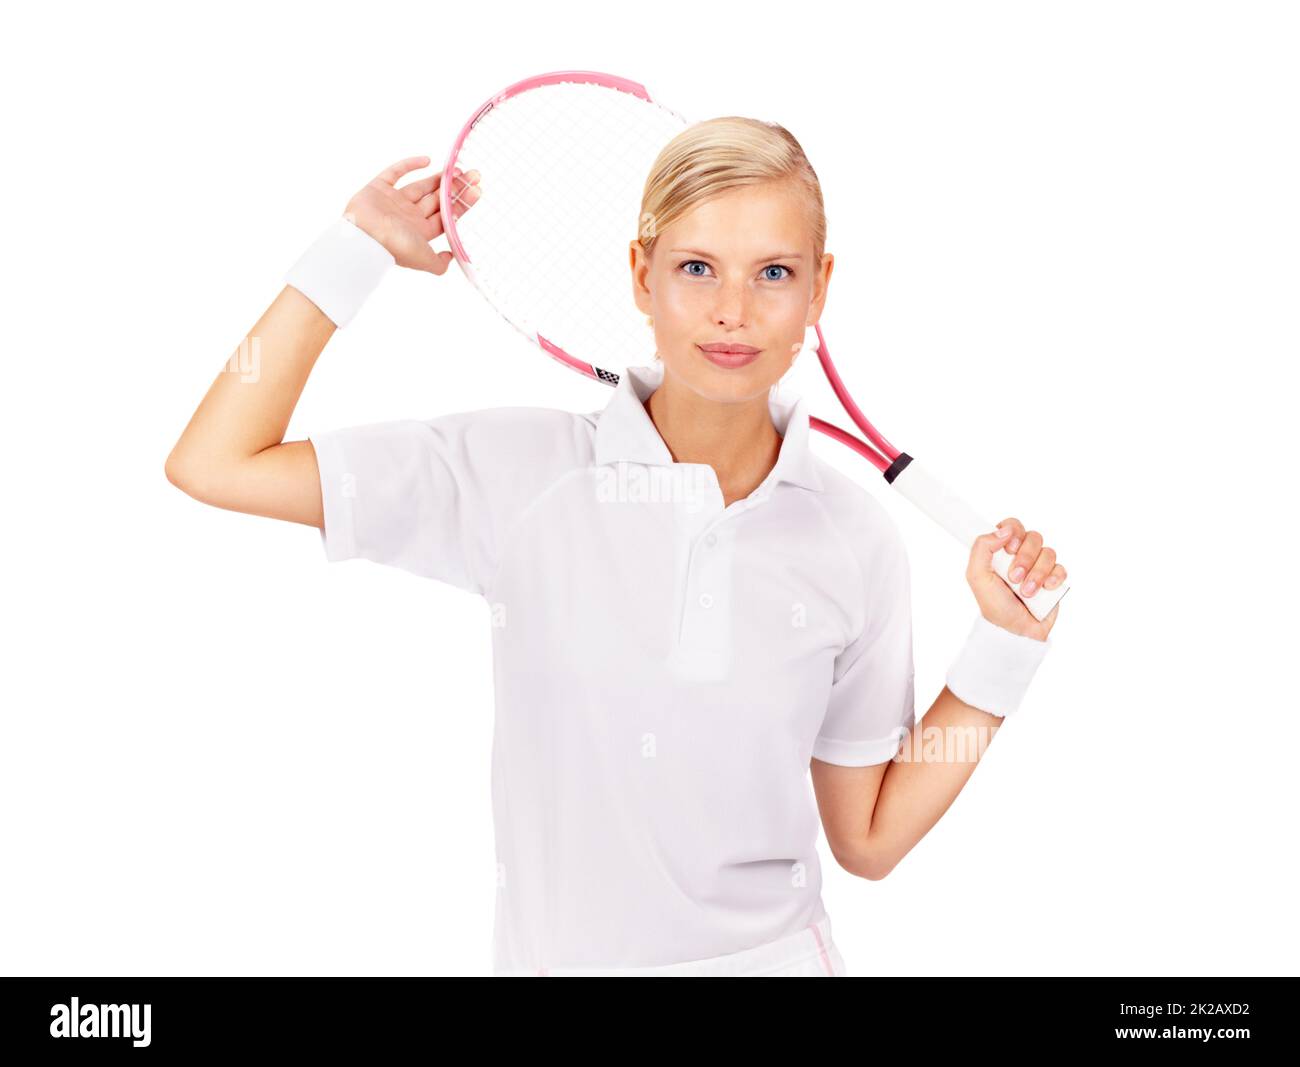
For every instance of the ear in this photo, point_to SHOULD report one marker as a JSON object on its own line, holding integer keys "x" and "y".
{"x": 821, "y": 287}
{"x": 639, "y": 263}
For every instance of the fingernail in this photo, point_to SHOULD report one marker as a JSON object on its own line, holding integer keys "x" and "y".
{"x": 1028, "y": 587}
{"x": 1017, "y": 574}
{"x": 1014, "y": 544}
{"x": 1002, "y": 531}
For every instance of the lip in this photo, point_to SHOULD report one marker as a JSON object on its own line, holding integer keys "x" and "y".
{"x": 729, "y": 356}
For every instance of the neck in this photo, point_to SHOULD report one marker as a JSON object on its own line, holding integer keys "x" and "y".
{"x": 737, "y": 440}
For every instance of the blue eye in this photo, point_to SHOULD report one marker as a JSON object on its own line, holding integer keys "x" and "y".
{"x": 767, "y": 277}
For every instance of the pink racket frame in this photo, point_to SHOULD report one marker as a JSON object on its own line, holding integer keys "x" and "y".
{"x": 590, "y": 77}
{"x": 449, "y": 224}
{"x": 900, "y": 470}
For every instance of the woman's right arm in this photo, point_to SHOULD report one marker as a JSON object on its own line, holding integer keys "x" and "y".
{"x": 232, "y": 454}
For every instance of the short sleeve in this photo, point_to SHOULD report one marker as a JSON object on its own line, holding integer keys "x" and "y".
{"x": 434, "y": 497}
{"x": 872, "y": 701}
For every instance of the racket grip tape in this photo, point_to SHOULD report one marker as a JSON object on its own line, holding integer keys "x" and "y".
{"x": 956, "y": 516}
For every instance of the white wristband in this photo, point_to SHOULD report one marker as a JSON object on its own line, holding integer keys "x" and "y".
{"x": 995, "y": 667}
{"x": 339, "y": 271}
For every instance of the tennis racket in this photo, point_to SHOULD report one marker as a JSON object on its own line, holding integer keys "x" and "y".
{"x": 563, "y": 159}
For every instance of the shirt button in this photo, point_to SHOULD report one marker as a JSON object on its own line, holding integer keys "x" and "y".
{"x": 706, "y": 601}
{"x": 712, "y": 539}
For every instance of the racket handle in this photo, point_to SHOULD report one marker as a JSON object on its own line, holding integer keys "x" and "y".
{"x": 966, "y": 524}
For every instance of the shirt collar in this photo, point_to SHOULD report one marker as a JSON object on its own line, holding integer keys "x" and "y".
{"x": 625, "y": 430}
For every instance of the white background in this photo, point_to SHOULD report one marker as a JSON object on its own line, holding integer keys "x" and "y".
{"x": 1066, "y": 276}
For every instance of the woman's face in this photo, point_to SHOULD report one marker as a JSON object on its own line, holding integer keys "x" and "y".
{"x": 737, "y": 271}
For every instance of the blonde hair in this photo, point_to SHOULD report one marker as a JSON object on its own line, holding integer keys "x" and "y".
{"x": 710, "y": 157}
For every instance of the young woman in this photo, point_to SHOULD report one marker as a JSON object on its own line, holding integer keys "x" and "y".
{"x": 690, "y": 609}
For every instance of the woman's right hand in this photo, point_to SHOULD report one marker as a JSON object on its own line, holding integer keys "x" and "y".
{"x": 404, "y": 220}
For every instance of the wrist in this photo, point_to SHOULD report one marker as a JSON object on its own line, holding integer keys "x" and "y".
{"x": 995, "y": 667}
{"x": 340, "y": 270}
{"x": 1015, "y": 625}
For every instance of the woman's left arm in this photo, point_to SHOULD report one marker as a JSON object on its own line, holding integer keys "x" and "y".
{"x": 873, "y": 815}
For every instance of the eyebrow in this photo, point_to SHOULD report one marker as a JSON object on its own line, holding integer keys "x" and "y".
{"x": 710, "y": 255}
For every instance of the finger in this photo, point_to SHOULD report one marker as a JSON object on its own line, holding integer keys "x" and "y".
{"x": 417, "y": 190}
{"x": 431, "y": 202}
{"x": 428, "y": 259}
{"x": 430, "y": 207}
{"x": 981, "y": 552}
{"x": 440, "y": 262}
{"x": 1055, "y": 578}
{"x": 1030, "y": 545}
{"x": 1019, "y": 532}
{"x": 390, "y": 174}
{"x": 466, "y": 191}
{"x": 1040, "y": 570}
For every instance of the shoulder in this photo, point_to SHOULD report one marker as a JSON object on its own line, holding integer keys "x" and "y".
{"x": 514, "y": 427}
{"x": 514, "y": 454}
{"x": 534, "y": 441}
{"x": 867, "y": 529}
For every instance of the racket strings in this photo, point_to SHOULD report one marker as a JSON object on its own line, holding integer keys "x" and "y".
{"x": 562, "y": 171}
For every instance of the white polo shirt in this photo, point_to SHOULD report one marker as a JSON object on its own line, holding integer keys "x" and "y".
{"x": 665, "y": 668}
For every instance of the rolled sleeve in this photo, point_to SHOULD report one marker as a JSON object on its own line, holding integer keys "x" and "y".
{"x": 433, "y": 497}
{"x": 338, "y": 488}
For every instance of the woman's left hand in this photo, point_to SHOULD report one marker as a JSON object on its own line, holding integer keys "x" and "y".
{"x": 1032, "y": 560}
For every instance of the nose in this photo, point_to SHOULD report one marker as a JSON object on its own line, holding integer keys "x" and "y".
{"x": 731, "y": 309}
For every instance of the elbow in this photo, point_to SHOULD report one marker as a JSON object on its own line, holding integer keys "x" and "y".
{"x": 175, "y": 472}
{"x": 870, "y": 864}
{"x": 172, "y": 469}
{"x": 181, "y": 473}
